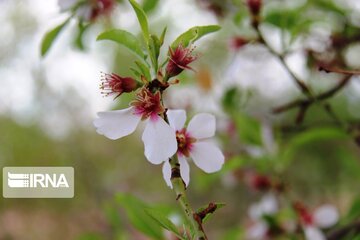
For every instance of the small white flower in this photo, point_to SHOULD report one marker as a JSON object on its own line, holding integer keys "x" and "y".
{"x": 268, "y": 205}
{"x": 193, "y": 142}
{"x": 158, "y": 137}
{"x": 323, "y": 217}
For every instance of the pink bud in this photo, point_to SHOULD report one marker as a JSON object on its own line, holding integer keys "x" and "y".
{"x": 254, "y": 6}
{"x": 114, "y": 84}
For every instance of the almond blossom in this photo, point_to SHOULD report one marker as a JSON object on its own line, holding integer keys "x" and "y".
{"x": 179, "y": 60}
{"x": 259, "y": 230}
{"x": 193, "y": 142}
{"x": 158, "y": 137}
{"x": 323, "y": 217}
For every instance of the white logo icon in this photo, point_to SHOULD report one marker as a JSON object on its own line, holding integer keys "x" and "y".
{"x": 34, "y": 180}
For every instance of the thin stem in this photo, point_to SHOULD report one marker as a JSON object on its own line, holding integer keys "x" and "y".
{"x": 321, "y": 97}
{"x": 180, "y": 191}
{"x": 303, "y": 87}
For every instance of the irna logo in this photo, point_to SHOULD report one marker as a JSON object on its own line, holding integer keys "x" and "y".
{"x": 38, "y": 182}
{"x": 19, "y": 180}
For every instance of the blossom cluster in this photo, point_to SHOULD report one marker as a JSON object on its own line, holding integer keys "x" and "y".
{"x": 165, "y": 133}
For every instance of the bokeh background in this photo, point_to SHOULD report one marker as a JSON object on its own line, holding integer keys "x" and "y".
{"x": 47, "y": 105}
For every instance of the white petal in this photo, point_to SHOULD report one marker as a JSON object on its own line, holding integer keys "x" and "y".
{"x": 166, "y": 171}
{"x": 202, "y": 126}
{"x": 207, "y": 156}
{"x": 269, "y": 204}
{"x": 313, "y": 233}
{"x": 116, "y": 124}
{"x": 257, "y": 231}
{"x": 255, "y": 211}
{"x": 176, "y": 118}
{"x": 325, "y": 216}
{"x": 66, "y": 4}
{"x": 159, "y": 141}
{"x": 184, "y": 170}
{"x": 84, "y": 12}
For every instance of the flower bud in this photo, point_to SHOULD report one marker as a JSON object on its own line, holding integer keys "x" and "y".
{"x": 238, "y": 42}
{"x": 260, "y": 182}
{"x": 114, "y": 84}
{"x": 254, "y": 6}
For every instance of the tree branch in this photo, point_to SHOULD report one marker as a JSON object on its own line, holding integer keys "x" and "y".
{"x": 321, "y": 97}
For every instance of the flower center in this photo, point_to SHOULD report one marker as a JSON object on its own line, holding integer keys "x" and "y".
{"x": 305, "y": 216}
{"x": 185, "y": 142}
{"x": 148, "y": 104}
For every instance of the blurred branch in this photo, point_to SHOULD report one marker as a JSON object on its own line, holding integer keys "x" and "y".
{"x": 300, "y": 83}
{"x": 321, "y": 97}
{"x": 340, "y": 233}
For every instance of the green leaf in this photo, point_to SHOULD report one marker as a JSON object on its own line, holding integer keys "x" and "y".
{"x": 193, "y": 34}
{"x": 79, "y": 35}
{"x": 163, "y": 221}
{"x": 308, "y": 137}
{"x": 154, "y": 51}
{"x": 162, "y": 37}
{"x": 124, "y": 38}
{"x": 141, "y": 16}
{"x": 50, "y": 36}
{"x": 135, "y": 210}
{"x": 354, "y": 211}
{"x": 248, "y": 128}
{"x": 149, "y": 5}
{"x": 144, "y": 70}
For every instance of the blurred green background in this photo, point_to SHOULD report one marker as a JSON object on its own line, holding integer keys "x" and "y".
{"x": 47, "y": 106}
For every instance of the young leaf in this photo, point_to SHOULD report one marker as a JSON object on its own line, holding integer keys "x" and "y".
{"x": 142, "y": 20}
{"x": 50, "y": 37}
{"x": 163, "y": 221}
{"x": 144, "y": 70}
{"x": 154, "y": 51}
{"x": 149, "y": 5}
{"x": 135, "y": 210}
{"x": 124, "y": 38}
{"x": 193, "y": 34}
{"x": 162, "y": 37}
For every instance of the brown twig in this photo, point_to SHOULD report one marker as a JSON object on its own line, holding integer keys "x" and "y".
{"x": 300, "y": 83}
{"x": 321, "y": 97}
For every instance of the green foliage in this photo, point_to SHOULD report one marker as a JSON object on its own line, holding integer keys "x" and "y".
{"x": 164, "y": 221}
{"x": 141, "y": 16}
{"x": 194, "y": 34}
{"x": 135, "y": 210}
{"x": 124, "y": 38}
{"x": 353, "y": 213}
{"x": 149, "y": 5}
{"x": 309, "y": 137}
{"x": 154, "y": 51}
{"x": 50, "y": 37}
{"x": 82, "y": 27}
{"x": 144, "y": 70}
{"x": 291, "y": 20}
